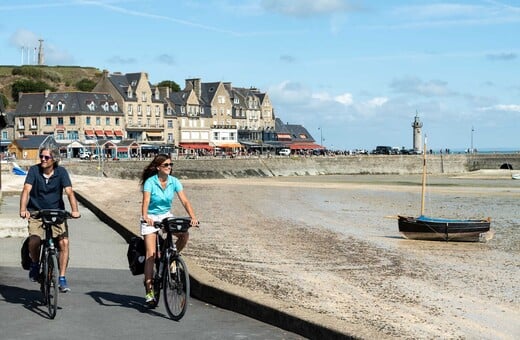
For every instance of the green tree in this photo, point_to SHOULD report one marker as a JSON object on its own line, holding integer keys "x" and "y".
{"x": 4, "y": 99}
{"x": 27, "y": 86}
{"x": 171, "y": 84}
{"x": 85, "y": 85}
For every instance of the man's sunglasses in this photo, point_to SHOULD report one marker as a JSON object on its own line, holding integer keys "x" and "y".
{"x": 45, "y": 157}
{"x": 166, "y": 165}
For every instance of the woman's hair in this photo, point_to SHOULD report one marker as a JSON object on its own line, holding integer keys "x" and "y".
{"x": 151, "y": 169}
{"x": 55, "y": 153}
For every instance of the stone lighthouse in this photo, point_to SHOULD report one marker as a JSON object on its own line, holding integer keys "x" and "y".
{"x": 417, "y": 135}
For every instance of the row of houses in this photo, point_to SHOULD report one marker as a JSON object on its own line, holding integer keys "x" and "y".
{"x": 126, "y": 108}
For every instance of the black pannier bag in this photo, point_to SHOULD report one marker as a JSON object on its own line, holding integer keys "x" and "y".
{"x": 136, "y": 255}
{"x": 26, "y": 259}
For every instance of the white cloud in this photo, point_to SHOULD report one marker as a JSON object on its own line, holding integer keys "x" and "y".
{"x": 502, "y": 108}
{"x": 306, "y": 8}
{"x": 345, "y": 99}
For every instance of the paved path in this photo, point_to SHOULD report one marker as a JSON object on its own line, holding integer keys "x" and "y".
{"x": 106, "y": 301}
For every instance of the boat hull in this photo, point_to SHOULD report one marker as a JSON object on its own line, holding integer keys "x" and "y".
{"x": 424, "y": 228}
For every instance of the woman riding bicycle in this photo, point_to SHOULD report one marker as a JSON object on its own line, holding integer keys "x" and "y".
{"x": 159, "y": 188}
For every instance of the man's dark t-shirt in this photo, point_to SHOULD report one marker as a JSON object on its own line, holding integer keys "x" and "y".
{"x": 47, "y": 193}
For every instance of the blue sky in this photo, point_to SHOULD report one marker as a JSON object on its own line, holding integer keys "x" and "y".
{"x": 352, "y": 72}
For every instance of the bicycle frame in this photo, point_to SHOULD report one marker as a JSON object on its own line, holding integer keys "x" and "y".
{"x": 171, "y": 272}
{"x": 49, "y": 269}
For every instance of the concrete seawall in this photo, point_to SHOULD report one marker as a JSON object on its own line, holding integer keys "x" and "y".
{"x": 298, "y": 166}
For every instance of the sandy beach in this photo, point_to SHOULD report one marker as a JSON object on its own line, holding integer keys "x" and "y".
{"x": 329, "y": 246}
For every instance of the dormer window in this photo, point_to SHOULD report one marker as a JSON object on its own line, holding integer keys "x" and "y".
{"x": 130, "y": 92}
{"x": 48, "y": 106}
{"x": 61, "y": 106}
{"x": 105, "y": 106}
{"x": 157, "y": 94}
{"x": 91, "y": 106}
{"x": 236, "y": 101}
{"x": 114, "y": 107}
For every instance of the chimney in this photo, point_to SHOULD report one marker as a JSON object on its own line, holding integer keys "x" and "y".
{"x": 47, "y": 92}
{"x": 194, "y": 84}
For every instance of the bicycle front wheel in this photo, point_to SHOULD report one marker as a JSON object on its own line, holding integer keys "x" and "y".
{"x": 51, "y": 284}
{"x": 176, "y": 286}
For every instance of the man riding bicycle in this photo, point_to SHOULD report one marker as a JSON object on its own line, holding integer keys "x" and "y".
{"x": 43, "y": 189}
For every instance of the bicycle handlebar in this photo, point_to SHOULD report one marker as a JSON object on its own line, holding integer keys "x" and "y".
{"x": 175, "y": 224}
{"x": 51, "y": 216}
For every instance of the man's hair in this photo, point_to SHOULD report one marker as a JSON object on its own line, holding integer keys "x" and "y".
{"x": 55, "y": 153}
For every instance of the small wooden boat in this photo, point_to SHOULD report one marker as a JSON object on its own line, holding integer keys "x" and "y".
{"x": 443, "y": 229}
{"x": 515, "y": 176}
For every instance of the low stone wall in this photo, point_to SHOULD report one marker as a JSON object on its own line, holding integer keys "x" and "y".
{"x": 297, "y": 166}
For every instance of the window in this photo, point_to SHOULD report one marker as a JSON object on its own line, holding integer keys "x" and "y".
{"x": 21, "y": 123}
{"x": 60, "y": 136}
{"x": 72, "y": 120}
{"x": 60, "y": 120}
{"x": 130, "y": 109}
{"x": 48, "y": 106}
{"x": 91, "y": 106}
{"x": 157, "y": 110}
{"x": 117, "y": 121}
{"x": 34, "y": 123}
{"x": 170, "y": 137}
{"x": 98, "y": 121}
{"x": 156, "y": 94}
{"x": 236, "y": 101}
{"x": 87, "y": 120}
{"x": 183, "y": 109}
{"x": 139, "y": 110}
{"x": 157, "y": 122}
{"x": 107, "y": 121}
{"x": 143, "y": 96}
{"x": 105, "y": 106}
{"x": 61, "y": 106}
{"x": 114, "y": 107}
{"x": 48, "y": 121}
{"x": 221, "y": 99}
{"x": 168, "y": 110}
{"x": 148, "y": 110}
{"x": 215, "y": 135}
{"x": 72, "y": 135}
{"x": 170, "y": 123}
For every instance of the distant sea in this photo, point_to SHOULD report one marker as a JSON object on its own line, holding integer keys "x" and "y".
{"x": 487, "y": 150}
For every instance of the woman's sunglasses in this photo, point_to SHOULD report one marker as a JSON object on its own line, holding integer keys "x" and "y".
{"x": 45, "y": 157}
{"x": 166, "y": 165}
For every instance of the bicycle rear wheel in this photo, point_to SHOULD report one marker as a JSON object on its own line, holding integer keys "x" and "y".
{"x": 50, "y": 278}
{"x": 176, "y": 286}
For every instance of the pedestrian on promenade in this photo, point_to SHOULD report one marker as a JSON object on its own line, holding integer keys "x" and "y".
{"x": 43, "y": 189}
{"x": 159, "y": 188}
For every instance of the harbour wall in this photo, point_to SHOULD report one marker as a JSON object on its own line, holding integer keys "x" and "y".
{"x": 298, "y": 166}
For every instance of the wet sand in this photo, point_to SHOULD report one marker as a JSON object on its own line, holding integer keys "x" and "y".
{"x": 329, "y": 247}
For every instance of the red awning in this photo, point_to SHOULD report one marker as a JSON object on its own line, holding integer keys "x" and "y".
{"x": 89, "y": 132}
{"x": 305, "y": 146}
{"x": 118, "y": 133}
{"x": 122, "y": 149}
{"x": 204, "y": 146}
{"x": 100, "y": 133}
{"x": 60, "y": 128}
{"x": 230, "y": 146}
{"x": 109, "y": 133}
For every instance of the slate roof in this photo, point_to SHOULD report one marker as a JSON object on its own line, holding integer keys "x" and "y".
{"x": 297, "y": 132}
{"x": 34, "y": 104}
{"x": 30, "y": 142}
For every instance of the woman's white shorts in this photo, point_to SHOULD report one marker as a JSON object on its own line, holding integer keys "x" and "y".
{"x": 147, "y": 229}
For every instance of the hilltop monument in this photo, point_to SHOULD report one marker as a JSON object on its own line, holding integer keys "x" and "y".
{"x": 40, "y": 53}
{"x": 417, "y": 134}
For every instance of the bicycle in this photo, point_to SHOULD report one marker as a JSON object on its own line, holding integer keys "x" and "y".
{"x": 49, "y": 267}
{"x": 171, "y": 272}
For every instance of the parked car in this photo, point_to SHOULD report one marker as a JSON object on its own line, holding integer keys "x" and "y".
{"x": 284, "y": 152}
{"x": 85, "y": 155}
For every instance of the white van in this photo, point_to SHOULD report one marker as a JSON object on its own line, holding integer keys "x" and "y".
{"x": 284, "y": 152}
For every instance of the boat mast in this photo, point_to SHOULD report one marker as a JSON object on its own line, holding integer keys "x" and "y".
{"x": 423, "y": 191}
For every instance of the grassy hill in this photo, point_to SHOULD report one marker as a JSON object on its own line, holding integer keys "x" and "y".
{"x": 62, "y": 78}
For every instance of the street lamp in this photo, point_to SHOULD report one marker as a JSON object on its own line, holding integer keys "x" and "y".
{"x": 472, "y": 130}
{"x": 321, "y": 136}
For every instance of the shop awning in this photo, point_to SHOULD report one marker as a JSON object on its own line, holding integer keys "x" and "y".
{"x": 154, "y": 134}
{"x": 100, "y": 133}
{"x": 109, "y": 133}
{"x": 204, "y": 146}
{"x": 118, "y": 133}
{"x": 230, "y": 146}
{"x": 305, "y": 146}
{"x": 60, "y": 128}
{"x": 89, "y": 132}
